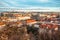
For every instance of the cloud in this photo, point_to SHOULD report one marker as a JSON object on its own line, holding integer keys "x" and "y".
{"x": 3, "y": 4}
{"x": 14, "y": 3}
{"x": 29, "y": 3}
{"x": 43, "y": 1}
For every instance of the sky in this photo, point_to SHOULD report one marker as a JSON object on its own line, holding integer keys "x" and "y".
{"x": 30, "y": 4}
